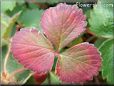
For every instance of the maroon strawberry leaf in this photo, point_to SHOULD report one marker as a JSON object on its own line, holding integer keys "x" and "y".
{"x": 78, "y": 64}
{"x": 33, "y": 50}
{"x": 62, "y": 24}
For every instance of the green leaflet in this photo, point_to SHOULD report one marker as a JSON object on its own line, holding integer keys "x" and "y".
{"x": 31, "y": 18}
{"x": 107, "y": 50}
{"x": 101, "y": 20}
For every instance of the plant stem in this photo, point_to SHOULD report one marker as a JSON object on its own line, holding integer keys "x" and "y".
{"x": 96, "y": 80}
{"x": 6, "y": 58}
{"x": 49, "y": 78}
{"x": 27, "y": 78}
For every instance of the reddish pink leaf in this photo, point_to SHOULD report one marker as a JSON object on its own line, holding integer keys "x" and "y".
{"x": 33, "y": 50}
{"x": 62, "y": 24}
{"x": 79, "y": 63}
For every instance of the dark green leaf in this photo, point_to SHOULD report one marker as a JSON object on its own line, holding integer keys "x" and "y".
{"x": 106, "y": 50}
{"x": 31, "y": 80}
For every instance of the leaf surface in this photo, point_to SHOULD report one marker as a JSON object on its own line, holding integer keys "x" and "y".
{"x": 62, "y": 24}
{"x": 33, "y": 50}
{"x": 78, "y": 64}
{"x": 107, "y": 50}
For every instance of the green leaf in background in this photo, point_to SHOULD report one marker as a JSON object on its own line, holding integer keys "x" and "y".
{"x": 54, "y": 80}
{"x": 31, "y": 18}
{"x": 75, "y": 41}
{"x": 17, "y": 8}
{"x": 107, "y": 50}
{"x": 10, "y": 25}
{"x": 12, "y": 65}
{"x": 7, "y": 5}
{"x": 32, "y": 6}
{"x": 23, "y": 77}
{"x": 99, "y": 42}
{"x": 101, "y": 20}
{"x": 4, "y": 24}
{"x": 107, "y": 1}
{"x": 20, "y": 1}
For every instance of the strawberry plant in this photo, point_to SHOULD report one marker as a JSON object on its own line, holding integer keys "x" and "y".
{"x": 57, "y": 42}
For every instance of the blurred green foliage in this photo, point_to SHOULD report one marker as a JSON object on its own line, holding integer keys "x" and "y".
{"x": 31, "y": 18}
{"x": 101, "y": 20}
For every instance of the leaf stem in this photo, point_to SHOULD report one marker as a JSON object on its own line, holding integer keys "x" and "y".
{"x": 49, "y": 78}
{"x": 6, "y": 58}
{"x": 27, "y": 77}
{"x": 96, "y": 80}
